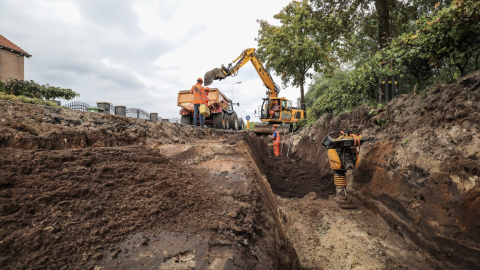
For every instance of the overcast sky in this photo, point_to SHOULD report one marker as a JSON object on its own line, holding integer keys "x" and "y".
{"x": 139, "y": 53}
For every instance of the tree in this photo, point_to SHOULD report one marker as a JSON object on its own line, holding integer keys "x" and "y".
{"x": 297, "y": 47}
{"x": 367, "y": 26}
{"x": 448, "y": 37}
{"x": 321, "y": 84}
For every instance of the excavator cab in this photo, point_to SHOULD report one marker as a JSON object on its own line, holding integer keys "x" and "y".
{"x": 267, "y": 106}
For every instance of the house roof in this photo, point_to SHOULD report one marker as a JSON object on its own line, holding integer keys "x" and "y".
{"x": 7, "y": 44}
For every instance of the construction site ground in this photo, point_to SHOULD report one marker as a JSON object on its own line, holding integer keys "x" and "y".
{"x": 80, "y": 190}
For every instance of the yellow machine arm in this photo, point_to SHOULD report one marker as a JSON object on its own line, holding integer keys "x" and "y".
{"x": 232, "y": 70}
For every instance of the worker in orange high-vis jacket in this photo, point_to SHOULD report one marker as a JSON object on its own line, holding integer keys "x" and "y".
{"x": 275, "y": 109}
{"x": 276, "y": 140}
{"x": 198, "y": 99}
{"x": 205, "y": 97}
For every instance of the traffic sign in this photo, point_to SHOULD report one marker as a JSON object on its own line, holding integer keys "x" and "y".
{"x": 248, "y": 117}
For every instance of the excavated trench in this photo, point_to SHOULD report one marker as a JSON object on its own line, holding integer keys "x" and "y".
{"x": 90, "y": 191}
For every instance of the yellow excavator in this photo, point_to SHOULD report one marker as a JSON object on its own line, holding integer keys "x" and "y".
{"x": 284, "y": 115}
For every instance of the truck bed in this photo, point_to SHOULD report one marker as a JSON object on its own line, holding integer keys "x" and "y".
{"x": 185, "y": 99}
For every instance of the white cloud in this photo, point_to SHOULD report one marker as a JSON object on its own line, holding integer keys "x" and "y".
{"x": 139, "y": 53}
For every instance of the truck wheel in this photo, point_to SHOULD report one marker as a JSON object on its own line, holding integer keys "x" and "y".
{"x": 186, "y": 120}
{"x": 241, "y": 126}
{"x": 233, "y": 121}
{"x": 218, "y": 120}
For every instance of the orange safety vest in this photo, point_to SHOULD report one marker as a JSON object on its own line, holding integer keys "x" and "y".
{"x": 276, "y": 144}
{"x": 198, "y": 93}
{"x": 277, "y": 139}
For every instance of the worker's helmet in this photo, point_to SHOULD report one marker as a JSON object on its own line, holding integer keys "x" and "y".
{"x": 275, "y": 126}
{"x": 200, "y": 80}
{"x": 207, "y": 89}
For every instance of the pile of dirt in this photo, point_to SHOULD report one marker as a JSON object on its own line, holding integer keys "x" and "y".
{"x": 421, "y": 170}
{"x": 63, "y": 208}
{"x": 28, "y": 126}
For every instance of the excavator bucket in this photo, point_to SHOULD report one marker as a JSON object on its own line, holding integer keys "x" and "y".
{"x": 214, "y": 74}
{"x": 266, "y": 128}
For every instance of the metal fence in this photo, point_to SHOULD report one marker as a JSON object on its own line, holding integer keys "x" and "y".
{"x": 78, "y": 106}
{"x": 112, "y": 109}
{"x": 130, "y": 112}
{"x": 137, "y": 113}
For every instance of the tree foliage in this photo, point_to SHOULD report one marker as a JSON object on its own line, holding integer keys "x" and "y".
{"x": 321, "y": 84}
{"x": 296, "y": 48}
{"x": 448, "y": 37}
{"x": 32, "y": 89}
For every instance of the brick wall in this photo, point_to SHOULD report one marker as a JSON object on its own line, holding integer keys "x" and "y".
{"x": 11, "y": 65}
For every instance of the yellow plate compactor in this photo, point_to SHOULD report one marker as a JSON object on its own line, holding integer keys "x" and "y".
{"x": 342, "y": 155}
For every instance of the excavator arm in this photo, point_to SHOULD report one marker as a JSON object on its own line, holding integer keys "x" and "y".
{"x": 232, "y": 70}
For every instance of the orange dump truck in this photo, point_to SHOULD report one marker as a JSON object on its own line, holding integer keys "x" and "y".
{"x": 222, "y": 115}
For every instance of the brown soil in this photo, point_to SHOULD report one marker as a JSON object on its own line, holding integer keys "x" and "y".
{"x": 295, "y": 178}
{"x": 78, "y": 192}
{"x": 328, "y": 237}
{"x": 62, "y": 207}
{"x": 291, "y": 177}
{"x": 421, "y": 170}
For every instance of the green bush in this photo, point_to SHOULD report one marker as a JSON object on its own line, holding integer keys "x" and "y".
{"x": 304, "y": 123}
{"x": 25, "y": 99}
{"x": 2, "y": 87}
{"x": 32, "y": 89}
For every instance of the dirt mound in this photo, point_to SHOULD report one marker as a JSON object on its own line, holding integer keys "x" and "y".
{"x": 421, "y": 171}
{"x": 27, "y": 126}
{"x": 62, "y": 208}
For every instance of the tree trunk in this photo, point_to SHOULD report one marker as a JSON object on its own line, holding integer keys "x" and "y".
{"x": 302, "y": 96}
{"x": 462, "y": 69}
{"x": 383, "y": 22}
